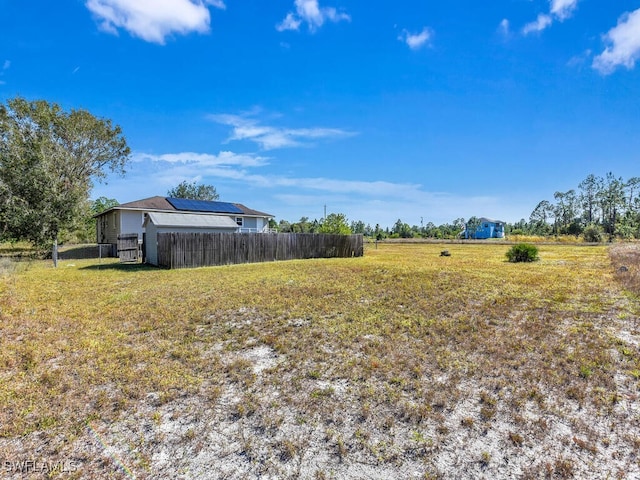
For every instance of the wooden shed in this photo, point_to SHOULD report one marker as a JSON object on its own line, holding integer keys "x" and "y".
{"x": 160, "y": 222}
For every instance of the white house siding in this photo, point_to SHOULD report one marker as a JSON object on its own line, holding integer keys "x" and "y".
{"x": 151, "y": 244}
{"x": 250, "y": 223}
{"x": 254, "y": 224}
{"x": 131, "y": 222}
{"x": 114, "y": 223}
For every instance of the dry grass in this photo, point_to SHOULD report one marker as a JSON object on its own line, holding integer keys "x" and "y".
{"x": 399, "y": 364}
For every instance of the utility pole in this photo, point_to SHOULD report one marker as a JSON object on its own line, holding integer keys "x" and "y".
{"x": 325, "y": 213}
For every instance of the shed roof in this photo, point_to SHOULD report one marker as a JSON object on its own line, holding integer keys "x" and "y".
{"x": 189, "y": 220}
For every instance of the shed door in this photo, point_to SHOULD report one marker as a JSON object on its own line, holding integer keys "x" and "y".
{"x": 128, "y": 247}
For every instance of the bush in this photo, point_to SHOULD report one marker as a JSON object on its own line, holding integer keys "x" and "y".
{"x": 626, "y": 232}
{"x": 523, "y": 252}
{"x": 592, "y": 233}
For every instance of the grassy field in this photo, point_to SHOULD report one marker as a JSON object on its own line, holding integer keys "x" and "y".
{"x": 400, "y": 364}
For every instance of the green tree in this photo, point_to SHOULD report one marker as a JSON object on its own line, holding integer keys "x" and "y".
{"x": 102, "y": 204}
{"x": 194, "y": 191}
{"x": 358, "y": 227}
{"x": 471, "y": 226}
{"x": 631, "y": 187}
{"x": 565, "y": 209}
{"x": 592, "y": 233}
{"x": 612, "y": 201}
{"x": 430, "y": 229}
{"x": 303, "y": 226}
{"x": 459, "y": 224}
{"x": 49, "y": 159}
{"x": 378, "y": 232}
{"x": 284, "y": 226}
{"x": 335, "y": 223}
{"x": 588, "y": 197}
{"x": 402, "y": 230}
{"x": 539, "y": 216}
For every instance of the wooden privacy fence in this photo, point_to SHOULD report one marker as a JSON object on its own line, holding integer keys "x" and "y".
{"x": 128, "y": 248}
{"x": 180, "y": 250}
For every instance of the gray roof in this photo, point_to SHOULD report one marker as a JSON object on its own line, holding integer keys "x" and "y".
{"x": 160, "y": 204}
{"x": 152, "y": 203}
{"x": 190, "y": 220}
{"x": 489, "y": 220}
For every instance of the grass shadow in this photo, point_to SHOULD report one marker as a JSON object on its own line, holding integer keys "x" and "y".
{"x": 122, "y": 267}
{"x": 82, "y": 252}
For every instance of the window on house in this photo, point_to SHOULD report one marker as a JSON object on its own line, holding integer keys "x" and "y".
{"x": 114, "y": 220}
{"x": 486, "y": 225}
{"x": 240, "y": 221}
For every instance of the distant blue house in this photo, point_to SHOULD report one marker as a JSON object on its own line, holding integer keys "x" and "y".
{"x": 487, "y": 228}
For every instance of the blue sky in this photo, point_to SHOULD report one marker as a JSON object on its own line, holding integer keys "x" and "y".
{"x": 424, "y": 111}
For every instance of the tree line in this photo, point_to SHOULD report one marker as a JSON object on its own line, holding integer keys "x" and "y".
{"x": 609, "y": 204}
{"x": 338, "y": 223}
{"x": 49, "y": 159}
{"x": 606, "y": 205}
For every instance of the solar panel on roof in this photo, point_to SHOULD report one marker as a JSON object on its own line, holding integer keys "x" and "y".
{"x": 189, "y": 205}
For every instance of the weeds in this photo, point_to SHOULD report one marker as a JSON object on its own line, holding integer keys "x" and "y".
{"x": 398, "y": 358}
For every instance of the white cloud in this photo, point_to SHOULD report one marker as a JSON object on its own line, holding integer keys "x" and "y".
{"x": 558, "y": 10}
{"x": 152, "y": 20}
{"x": 542, "y": 22}
{"x": 218, "y": 4}
{"x": 237, "y": 177}
{"x": 269, "y": 137}
{"x": 577, "y": 61}
{"x": 504, "y": 27}
{"x": 200, "y": 160}
{"x": 4, "y": 68}
{"x": 310, "y": 12}
{"x": 416, "y": 40}
{"x": 624, "y": 45}
{"x": 563, "y": 9}
{"x": 233, "y": 166}
{"x": 290, "y": 22}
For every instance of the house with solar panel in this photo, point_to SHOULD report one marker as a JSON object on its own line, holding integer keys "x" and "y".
{"x": 166, "y": 214}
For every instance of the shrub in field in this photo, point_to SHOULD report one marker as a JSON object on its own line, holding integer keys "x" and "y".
{"x": 523, "y": 252}
{"x": 592, "y": 233}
